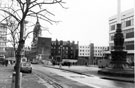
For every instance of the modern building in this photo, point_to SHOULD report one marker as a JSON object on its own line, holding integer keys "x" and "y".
{"x": 85, "y": 54}
{"x": 99, "y": 53}
{"x": 127, "y": 20}
{"x": 3, "y": 39}
{"x": 64, "y": 51}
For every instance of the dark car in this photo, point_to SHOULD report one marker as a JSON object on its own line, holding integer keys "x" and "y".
{"x": 25, "y": 67}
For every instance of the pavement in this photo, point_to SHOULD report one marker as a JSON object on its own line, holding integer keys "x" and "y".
{"x": 92, "y": 71}
{"x": 28, "y": 80}
{"x": 5, "y": 76}
{"x": 33, "y": 81}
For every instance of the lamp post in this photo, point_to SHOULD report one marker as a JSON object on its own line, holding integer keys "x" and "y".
{"x": 61, "y": 50}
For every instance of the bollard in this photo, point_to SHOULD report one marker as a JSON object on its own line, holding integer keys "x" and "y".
{"x": 20, "y": 79}
{"x": 13, "y": 80}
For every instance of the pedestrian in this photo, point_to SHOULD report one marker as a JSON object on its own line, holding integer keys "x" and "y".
{"x": 6, "y": 63}
{"x": 69, "y": 64}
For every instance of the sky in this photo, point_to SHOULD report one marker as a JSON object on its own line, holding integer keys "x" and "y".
{"x": 85, "y": 21}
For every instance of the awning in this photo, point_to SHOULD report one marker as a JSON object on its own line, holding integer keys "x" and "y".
{"x": 10, "y": 58}
{"x": 69, "y": 60}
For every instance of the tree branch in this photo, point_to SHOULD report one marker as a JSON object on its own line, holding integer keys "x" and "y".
{"x": 10, "y": 14}
{"x": 41, "y": 3}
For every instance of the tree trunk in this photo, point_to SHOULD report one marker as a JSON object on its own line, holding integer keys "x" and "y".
{"x": 18, "y": 55}
{"x": 17, "y": 78}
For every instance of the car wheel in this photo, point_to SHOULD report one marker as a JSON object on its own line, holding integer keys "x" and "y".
{"x": 30, "y": 71}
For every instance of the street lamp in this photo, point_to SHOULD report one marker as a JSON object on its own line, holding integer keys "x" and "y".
{"x": 61, "y": 48}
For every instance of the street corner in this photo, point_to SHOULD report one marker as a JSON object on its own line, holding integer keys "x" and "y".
{"x": 32, "y": 81}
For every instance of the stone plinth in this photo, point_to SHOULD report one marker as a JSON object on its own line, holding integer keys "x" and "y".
{"x": 116, "y": 72}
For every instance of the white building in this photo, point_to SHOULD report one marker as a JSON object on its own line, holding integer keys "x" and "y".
{"x": 86, "y": 52}
{"x": 127, "y": 20}
{"x": 99, "y": 53}
{"x": 3, "y": 39}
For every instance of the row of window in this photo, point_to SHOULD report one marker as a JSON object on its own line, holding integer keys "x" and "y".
{"x": 124, "y": 24}
{"x": 98, "y": 54}
{"x": 63, "y": 48}
{"x": 3, "y": 32}
{"x": 62, "y": 43}
{"x": 3, "y": 38}
{"x": 62, "y": 52}
{"x": 98, "y": 51}
{"x": 84, "y": 47}
{"x": 2, "y": 49}
{"x": 127, "y": 47}
{"x": 2, "y": 43}
{"x": 127, "y": 35}
{"x": 84, "y": 50}
{"x": 84, "y": 54}
{"x": 101, "y": 48}
{"x": 2, "y": 28}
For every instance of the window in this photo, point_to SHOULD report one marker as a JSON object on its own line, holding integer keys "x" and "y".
{"x": 112, "y": 37}
{"x": 112, "y": 47}
{"x": 128, "y": 23}
{"x": 130, "y": 47}
{"x": 130, "y": 35}
{"x": 112, "y": 27}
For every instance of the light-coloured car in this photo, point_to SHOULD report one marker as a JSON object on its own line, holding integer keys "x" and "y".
{"x": 26, "y": 67}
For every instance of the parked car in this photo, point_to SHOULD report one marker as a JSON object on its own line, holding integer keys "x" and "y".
{"x": 35, "y": 61}
{"x": 26, "y": 67}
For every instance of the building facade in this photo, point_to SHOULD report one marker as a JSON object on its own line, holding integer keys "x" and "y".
{"x": 127, "y": 21}
{"x": 99, "y": 53}
{"x": 64, "y": 51}
{"x": 85, "y": 54}
{"x": 3, "y": 39}
{"x": 42, "y": 49}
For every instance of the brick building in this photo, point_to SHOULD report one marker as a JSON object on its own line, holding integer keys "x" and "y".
{"x": 64, "y": 51}
{"x": 41, "y": 49}
{"x": 41, "y": 46}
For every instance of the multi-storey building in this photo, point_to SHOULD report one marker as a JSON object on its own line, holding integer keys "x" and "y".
{"x": 86, "y": 54}
{"x": 127, "y": 21}
{"x": 99, "y": 53}
{"x": 64, "y": 51}
{"x": 3, "y": 38}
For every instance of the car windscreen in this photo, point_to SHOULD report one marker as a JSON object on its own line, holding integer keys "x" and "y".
{"x": 26, "y": 64}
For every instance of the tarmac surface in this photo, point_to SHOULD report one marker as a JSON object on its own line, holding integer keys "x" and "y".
{"x": 92, "y": 71}
{"x": 33, "y": 81}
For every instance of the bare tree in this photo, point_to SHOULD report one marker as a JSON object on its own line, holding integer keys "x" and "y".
{"x": 20, "y": 10}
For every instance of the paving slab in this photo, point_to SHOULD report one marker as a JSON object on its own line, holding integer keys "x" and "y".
{"x": 5, "y": 76}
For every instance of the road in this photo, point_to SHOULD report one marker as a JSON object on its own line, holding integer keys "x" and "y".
{"x": 73, "y": 80}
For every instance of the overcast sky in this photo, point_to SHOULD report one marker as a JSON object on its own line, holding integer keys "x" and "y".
{"x": 85, "y": 21}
